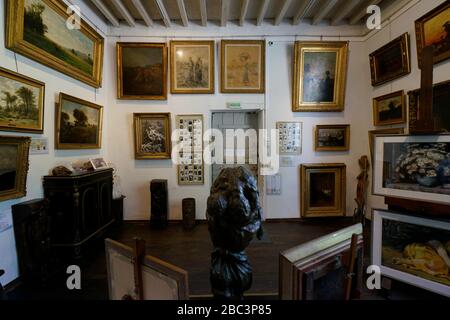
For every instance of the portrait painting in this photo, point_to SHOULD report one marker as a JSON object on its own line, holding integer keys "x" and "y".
{"x": 322, "y": 190}
{"x": 39, "y": 30}
{"x": 242, "y": 66}
{"x": 390, "y": 61}
{"x": 141, "y": 71}
{"x": 152, "y": 136}
{"x": 78, "y": 124}
{"x": 192, "y": 67}
{"x": 412, "y": 249}
{"x": 332, "y": 138}
{"x": 21, "y": 103}
{"x": 13, "y": 166}
{"x": 389, "y": 109}
{"x": 433, "y": 29}
{"x": 319, "y": 76}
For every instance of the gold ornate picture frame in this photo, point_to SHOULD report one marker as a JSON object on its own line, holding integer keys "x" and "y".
{"x": 323, "y": 190}
{"x": 332, "y": 137}
{"x": 77, "y": 53}
{"x": 152, "y": 136}
{"x": 243, "y": 66}
{"x": 389, "y": 109}
{"x": 14, "y": 165}
{"x": 320, "y": 76}
{"x": 192, "y": 65}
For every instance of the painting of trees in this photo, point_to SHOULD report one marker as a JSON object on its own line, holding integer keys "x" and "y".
{"x": 76, "y": 127}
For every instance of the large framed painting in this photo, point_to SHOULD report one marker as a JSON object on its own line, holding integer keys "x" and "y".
{"x": 381, "y": 132}
{"x": 21, "y": 103}
{"x": 152, "y": 136}
{"x": 40, "y": 30}
{"x": 190, "y": 156}
{"x": 391, "y": 61}
{"x": 323, "y": 190}
{"x": 412, "y": 167}
{"x": 433, "y": 29}
{"x": 78, "y": 124}
{"x": 412, "y": 249}
{"x": 320, "y": 73}
{"x": 332, "y": 137}
{"x": 441, "y": 114}
{"x": 192, "y": 67}
{"x": 141, "y": 71}
{"x": 243, "y": 65}
{"x": 13, "y": 166}
{"x": 389, "y": 109}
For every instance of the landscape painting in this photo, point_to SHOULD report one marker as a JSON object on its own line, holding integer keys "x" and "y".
{"x": 192, "y": 66}
{"x": 433, "y": 29}
{"x": 79, "y": 124}
{"x": 389, "y": 109}
{"x": 332, "y": 138}
{"x": 13, "y": 166}
{"x": 46, "y": 36}
{"x": 152, "y": 135}
{"x": 142, "y": 71}
{"x": 21, "y": 103}
{"x": 243, "y": 66}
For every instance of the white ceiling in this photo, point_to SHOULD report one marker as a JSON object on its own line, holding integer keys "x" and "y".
{"x": 175, "y": 13}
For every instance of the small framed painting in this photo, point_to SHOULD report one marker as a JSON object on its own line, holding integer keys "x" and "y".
{"x": 332, "y": 137}
{"x": 98, "y": 163}
{"x": 39, "y": 146}
{"x": 323, "y": 190}
{"x": 412, "y": 249}
{"x": 391, "y": 61}
{"x": 389, "y": 109}
{"x": 21, "y": 103}
{"x": 290, "y": 138}
{"x": 152, "y": 136}
{"x": 192, "y": 67}
{"x": 141, "y": 71}
{"x": 433, "y": 29}
{"x": 14, "y": 153}
{"x": 320, "y": 73}
{"x": 78, "y": 124}
{"x": 412, "y": 167}
{"x": 243, "y": 66}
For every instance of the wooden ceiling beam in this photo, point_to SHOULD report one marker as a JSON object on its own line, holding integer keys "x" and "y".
{"x": 262, "y": 12}
{"x": 303, "y": 10}
{"x": 280, "y": 16}
{"x": 346, "y": 9}
{"x": 244, "y": 9}
{"x": 363, "y": 12}
{"x": 224, "y": 13}
{"x": 163, "y": 12}
{"x": 183, "y": 13}
{"x": 106, "y": 12}
{"x": 124, "y": 12}
{"x": 142, "y": 12}
{"x": 323, "y": 11}
{"x": 203, "y": 12}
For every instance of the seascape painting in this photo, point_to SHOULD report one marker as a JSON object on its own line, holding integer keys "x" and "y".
{"x": 8, "y": 166}
{"x": 322, "y": 189}
{"x": 389, "y": 109}
{"x": 152, "y": 135}
{"x": 21, "y": 103}
{"x": 319, "y": 76}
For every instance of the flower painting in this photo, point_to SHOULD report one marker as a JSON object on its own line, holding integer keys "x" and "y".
{"x": 152, "y": 135}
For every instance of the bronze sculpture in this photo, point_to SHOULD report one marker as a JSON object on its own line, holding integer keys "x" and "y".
{"x": 234, "y": 218}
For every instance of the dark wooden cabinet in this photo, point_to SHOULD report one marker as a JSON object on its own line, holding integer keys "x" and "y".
{"x": 80, "y": 208}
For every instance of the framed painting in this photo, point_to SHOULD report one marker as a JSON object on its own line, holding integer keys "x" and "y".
{"x": 78, "y": 124}
{"x": 389, "y": 109}
{"x": 323, "y": 190}
{"x": 433, "y": 29}
{"x": 98, "y": 163}
{"x": 320, "y": 73}
{"x": 13, "y": 167}
{"x": 190, "y": 137}
{"x": 243, "y": 65}
{"x": 192, "y": 67}
{"x": 290, "y": 138}
{"x": 391, "y": 61}
{"x": 412, "y": 249}
{"x": 39, "y": 30}
{"x": 21, "y": 103}
{"x": 152, "y": 136}
{"x": 385, "y": 132}
{"x": 412, "y": 167}
{"x": 141, "y": 71}
{"x": 332, "y": 137}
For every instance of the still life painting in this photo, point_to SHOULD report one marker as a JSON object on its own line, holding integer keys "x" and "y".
{"x": 433, "y": 29}
{"x": 192, "y": 66}
{"x": 13, "y": 166}
{"x": 141, "y": 71}
{"x": 39, "y": 30}
{"x": 319, "y": 76}
{"x": 389, "y": 109}
{"x": 412, "y": 249}
{"x": 243, "y": 66}
{"x": 152, "y": 136}
{"x": 21, "y": 103}
{"x": 332, "y": 138}
{"x": 78, "y": 124}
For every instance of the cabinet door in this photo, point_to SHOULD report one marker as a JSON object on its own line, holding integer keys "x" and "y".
{"x": 105, "y": 202}
{"x": 90, "y": 221}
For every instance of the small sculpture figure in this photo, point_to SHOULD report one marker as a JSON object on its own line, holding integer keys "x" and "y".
{"x": 234, "y": 218}
{"x": 361, "y": 190}
{"x": 61, "y": 171}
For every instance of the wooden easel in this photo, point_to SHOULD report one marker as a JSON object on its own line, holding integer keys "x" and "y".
{"x": 351, "y": 268}
{"x": 138, "y": 257}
